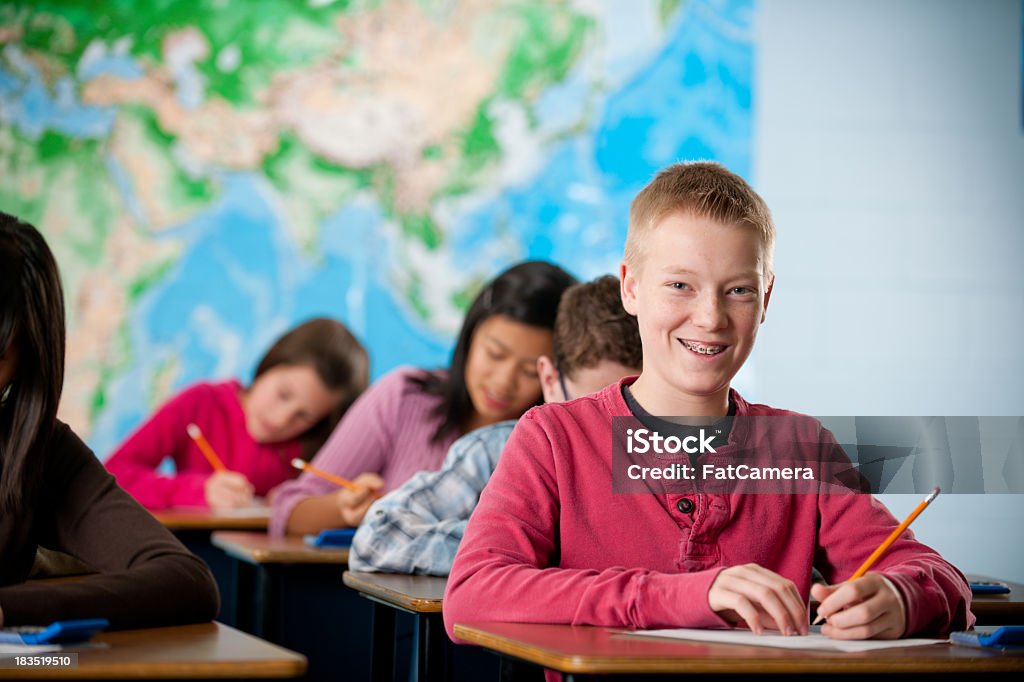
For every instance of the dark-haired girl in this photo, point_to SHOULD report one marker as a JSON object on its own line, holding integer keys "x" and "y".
{"x": 55, "y": 494}
{"x": 405, "y": 422}
{"x": 302, "y": 387}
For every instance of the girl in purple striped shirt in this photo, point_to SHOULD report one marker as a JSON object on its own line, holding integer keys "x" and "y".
{"x": 405, "y": 422}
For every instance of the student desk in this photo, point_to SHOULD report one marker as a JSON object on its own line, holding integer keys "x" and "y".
{"x": 291, "y": 594}
{"x": 579, "y": 652}
{"x": 419, "y": 595}
{"x": 258, "y": 566}
{"x": 209, "y": 650}
{"x": 193, "y": 526}
{"x": 195, "y": 519}
{"x": 998, "y": 609}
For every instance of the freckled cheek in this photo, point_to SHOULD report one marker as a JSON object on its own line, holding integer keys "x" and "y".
{"x": 653, "y": 330}
{"x": 664, "y": 321}
{"x": 747, "y": 321}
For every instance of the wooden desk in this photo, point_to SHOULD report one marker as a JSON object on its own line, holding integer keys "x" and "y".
{"x": 209, "y": 650}
{"x": 412, "y": 593}
{"x": 576, "y": 650}
{"x": 420, "y": 595}
{"x": 193, "y": 527}
{"x": 998, "y": 609}
{"x": 260, "y": 548}
{"x": 290, "y": 594}
{"x": 178, "y": 519}
{"x": 256, "y": 572}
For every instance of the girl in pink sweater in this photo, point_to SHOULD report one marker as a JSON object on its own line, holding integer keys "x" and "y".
{"x": 302, "y": 387}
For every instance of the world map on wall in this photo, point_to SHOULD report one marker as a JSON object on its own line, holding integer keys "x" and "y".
{"x": 210, "y": 173}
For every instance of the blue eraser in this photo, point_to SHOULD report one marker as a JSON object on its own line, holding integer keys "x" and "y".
{"x": 59, "y": 632}
{"x": 991, "y": 637}
{"x": 332, "y": 537}
{"x": 988, "y": 587}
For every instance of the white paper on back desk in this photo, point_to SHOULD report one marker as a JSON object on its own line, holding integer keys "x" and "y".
{"x": 813, "y": 641}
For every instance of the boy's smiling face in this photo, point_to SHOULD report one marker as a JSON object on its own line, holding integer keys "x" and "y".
{"x": 699, "y": 292}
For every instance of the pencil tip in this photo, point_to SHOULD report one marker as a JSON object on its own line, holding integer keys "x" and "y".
{"x": 298, "y": 463}
{"x": 193, "y": 431}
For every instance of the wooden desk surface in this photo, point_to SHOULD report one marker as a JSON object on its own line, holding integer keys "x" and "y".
{"x": 260, "y": 548}
{"x": 998, "y": 605}
{"x": 209, "y": 650}
{"x": 190, "y": 518}
{"x": 595, "y": 650}
{"x": 417, "y": 593}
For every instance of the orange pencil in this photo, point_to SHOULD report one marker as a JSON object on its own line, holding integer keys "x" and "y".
{"x": 336, "y": 480}
{"x": 889, "y": 540}
{"x": 204, "y": 447}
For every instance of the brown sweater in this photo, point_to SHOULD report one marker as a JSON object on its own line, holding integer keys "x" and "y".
{"x": 145, "y": 576}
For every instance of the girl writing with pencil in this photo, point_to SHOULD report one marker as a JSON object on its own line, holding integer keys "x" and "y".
{"x": 405, "y": 422}
{"x": 55, "y": 494}
{"x": 232, "y": 443}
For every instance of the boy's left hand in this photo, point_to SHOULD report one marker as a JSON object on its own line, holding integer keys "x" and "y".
{"x": 866, "y": 608}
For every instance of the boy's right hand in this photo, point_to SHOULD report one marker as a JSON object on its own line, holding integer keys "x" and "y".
{"x": 761, "y": 598}
{"x": 228, "y": 490}
{"x": 353, "y": 504}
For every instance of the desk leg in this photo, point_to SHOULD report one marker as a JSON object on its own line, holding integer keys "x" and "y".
{"x": 514, "y": 670}
{"x": 383, "y": 663}
{"x": 268, "y": 624}
{"x": 432, "y": 649}
{"x": 242, "y": 598}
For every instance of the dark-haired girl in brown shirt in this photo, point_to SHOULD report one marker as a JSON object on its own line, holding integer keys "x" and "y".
{"x": 55, "y": 494}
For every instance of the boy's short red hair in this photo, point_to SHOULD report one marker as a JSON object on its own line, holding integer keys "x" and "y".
{"x": 706, "y": 190}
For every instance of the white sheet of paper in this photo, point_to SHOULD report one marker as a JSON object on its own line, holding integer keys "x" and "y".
{"x": 256, "y": 511}
{"x": 815, "y": 640}
{"x": 253, "y": 512}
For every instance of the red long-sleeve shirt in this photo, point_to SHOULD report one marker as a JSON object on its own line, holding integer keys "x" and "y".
{"x": 217, "y": 410}
{"x": 550, "y": 543}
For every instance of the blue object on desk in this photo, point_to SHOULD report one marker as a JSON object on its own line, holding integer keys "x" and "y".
{"x": 332, "y": 537}
{"x": 988, "y": 587}
{"x": 992, "y": 637}
{"x": 60, "y": 632}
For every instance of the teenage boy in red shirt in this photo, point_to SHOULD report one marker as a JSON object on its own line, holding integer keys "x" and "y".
{"x": 550, "y": 542}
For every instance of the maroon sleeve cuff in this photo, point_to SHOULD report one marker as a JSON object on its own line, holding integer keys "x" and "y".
{"x": 667, "y": 600}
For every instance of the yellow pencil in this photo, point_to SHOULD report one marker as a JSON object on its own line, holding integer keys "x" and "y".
{"x": 336, "y": 480}
{"x": 196, "y": 434}
{"x": 864, "y": 567}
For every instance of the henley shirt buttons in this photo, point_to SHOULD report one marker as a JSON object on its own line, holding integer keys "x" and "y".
{"x": 685, "y": 505}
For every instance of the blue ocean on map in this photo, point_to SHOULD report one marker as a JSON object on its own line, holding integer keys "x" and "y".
{"x": 688, "y": 96}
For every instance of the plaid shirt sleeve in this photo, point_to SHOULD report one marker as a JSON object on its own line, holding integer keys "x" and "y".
{"x": 417, "y": 527}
